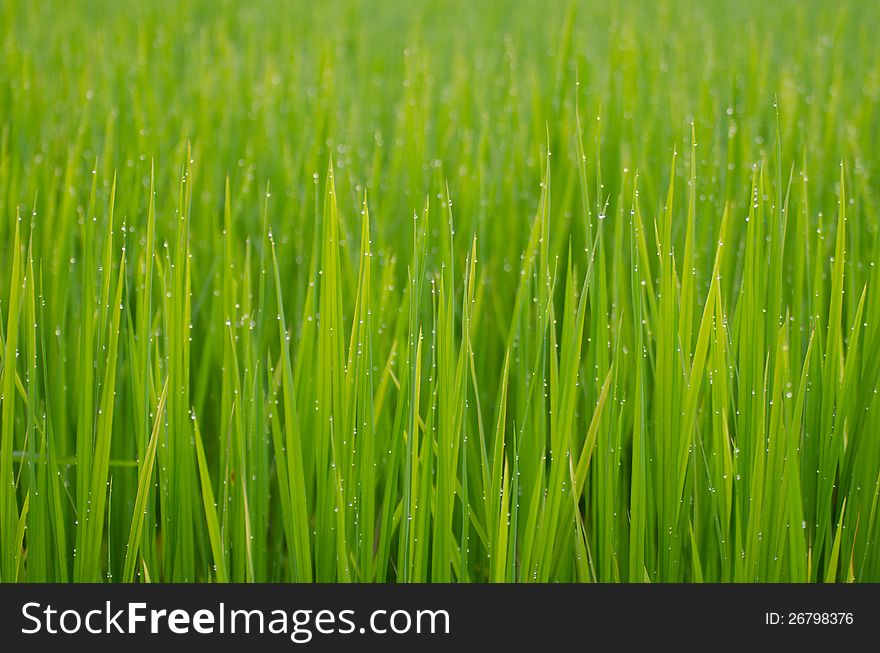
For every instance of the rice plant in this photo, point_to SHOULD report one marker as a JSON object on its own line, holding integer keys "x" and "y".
{"x": 460, "y": 291}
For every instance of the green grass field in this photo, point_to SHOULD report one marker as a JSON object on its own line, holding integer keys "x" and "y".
{"x": 447, "y": 291}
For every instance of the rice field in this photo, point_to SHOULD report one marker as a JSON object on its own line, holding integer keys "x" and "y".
{"x": 394, "y": 291}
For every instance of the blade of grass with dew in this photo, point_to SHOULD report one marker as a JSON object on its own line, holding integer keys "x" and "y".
{"x": 145, "y": 477}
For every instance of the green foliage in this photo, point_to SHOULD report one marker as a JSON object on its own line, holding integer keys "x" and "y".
{"x": 536, "y": 291}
